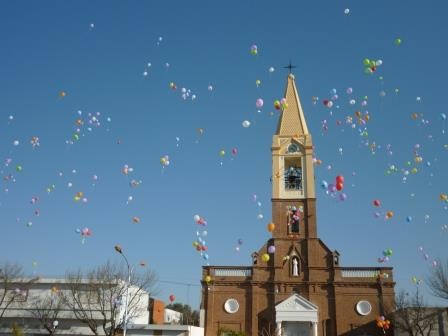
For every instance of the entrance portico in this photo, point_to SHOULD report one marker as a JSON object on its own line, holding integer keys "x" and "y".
{"x": 296, "y": 316}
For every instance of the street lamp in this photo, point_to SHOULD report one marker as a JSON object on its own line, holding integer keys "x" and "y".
{"x": 55, "y": 325}
{"x": 125, "y": 318}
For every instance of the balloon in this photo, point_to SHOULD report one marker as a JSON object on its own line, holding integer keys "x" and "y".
{"x": 389, "y": 214}
{"x": 234, "y": 151}
{"x": 324, "y": 184}
{"x": 271, "y": 227}
{"x": 240, "y": 241}
{"x": 343, "y": 196}
{"x": 62, "y": 94}
{"x": 408, "y": 219}
{"x": 339, "y": 186}
{"x": 135, "y": 220}
{"x": 332, "y": 188}
{"x": 19, "y": 168}
{"x": 254, "y": 49}
{"x": 397, "y": 41}
{"x": 259, "y": 103}
{"x": 377, "y": 203}
{"x": 339, "y": 179}
{"x": 222, "y": 153}
{"x": 346, "y": 11}
{"x": 277, "y": 105}
{"x": 271, "y": 249}
{"x": 172, "y": 298}
{"x": 258, "y": 82}
{"x": 271, "y": 69}
{"x": 443, "y": 116}
{"x": 208, "y": 279}
{"x": 265, "y": 257}
{"x": 246, "y": 123}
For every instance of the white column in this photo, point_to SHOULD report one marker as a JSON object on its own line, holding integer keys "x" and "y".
{"x": 279, "y": 328}
{"x": 314, "y": 328}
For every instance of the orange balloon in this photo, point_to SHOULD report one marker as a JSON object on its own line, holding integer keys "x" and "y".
{"x": 389, "y": 214}
{"x": 271, "y": 227}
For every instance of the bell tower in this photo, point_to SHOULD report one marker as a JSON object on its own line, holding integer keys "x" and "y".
{"x": 293, "y": 193}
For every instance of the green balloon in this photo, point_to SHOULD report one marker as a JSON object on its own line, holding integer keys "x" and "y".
{"x": 397, "y": 41}
{"x": 366, "y": 62}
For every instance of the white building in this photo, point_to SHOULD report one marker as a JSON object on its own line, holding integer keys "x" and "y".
{"x": 172, "y": 316}
{"x": 22, "y": 311}
{"x": 41, "y": 298}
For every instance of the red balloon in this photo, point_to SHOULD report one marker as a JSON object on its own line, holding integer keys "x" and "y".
{"x": 172, "y": 298}
{"x": 377, "y": 203}
{"x": 339, "y": 179}
{"x": 339, "y": 186}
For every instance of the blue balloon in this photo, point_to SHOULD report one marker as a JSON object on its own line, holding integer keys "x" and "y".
{"x": 443, "y": 116}
{"x": 324, "y": 184}
{"x": 408, "y": 219}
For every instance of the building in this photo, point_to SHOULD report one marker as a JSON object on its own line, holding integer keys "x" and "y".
{"x": 148, "y": 316}
{"x": 295, "y": 285}
{"x": 35, "y": 297}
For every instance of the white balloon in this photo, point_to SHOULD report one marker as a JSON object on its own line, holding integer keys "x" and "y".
{"x": 246, "y": 123}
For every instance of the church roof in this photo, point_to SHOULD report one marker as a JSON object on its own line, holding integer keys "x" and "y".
{"x": 292, "y": 121}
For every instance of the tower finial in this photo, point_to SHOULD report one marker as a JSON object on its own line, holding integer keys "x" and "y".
{"x": 290, "y": 67}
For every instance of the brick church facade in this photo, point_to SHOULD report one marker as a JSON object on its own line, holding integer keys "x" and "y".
{"x": 295, "y": 285}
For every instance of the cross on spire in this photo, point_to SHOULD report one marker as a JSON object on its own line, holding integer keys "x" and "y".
{"x": 290, "y": 67}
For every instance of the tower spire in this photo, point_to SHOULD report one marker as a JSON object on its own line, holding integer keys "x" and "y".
{"x": 292, "y": 120}
{"x": 292, "y": 150}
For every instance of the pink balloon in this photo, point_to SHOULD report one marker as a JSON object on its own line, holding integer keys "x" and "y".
{"x": 259, "y": 103}
{"x": 234, "y": 151}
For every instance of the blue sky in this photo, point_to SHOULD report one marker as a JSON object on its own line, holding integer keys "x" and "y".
{"x": 97, "y": 53}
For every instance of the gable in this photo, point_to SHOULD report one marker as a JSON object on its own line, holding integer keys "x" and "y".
{"x": 296, "y": 308}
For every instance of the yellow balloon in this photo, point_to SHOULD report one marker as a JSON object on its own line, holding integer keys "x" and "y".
{"x": 265, "y": 257}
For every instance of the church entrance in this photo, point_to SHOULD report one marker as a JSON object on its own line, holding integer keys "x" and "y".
{"x": 296, "y": 328}
{"x": 296, "y": 316}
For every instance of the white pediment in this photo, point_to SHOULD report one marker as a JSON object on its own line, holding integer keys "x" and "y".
{"x": 296, "y": 308}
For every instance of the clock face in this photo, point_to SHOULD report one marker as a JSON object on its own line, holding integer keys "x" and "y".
{"x": 293, "y": 148}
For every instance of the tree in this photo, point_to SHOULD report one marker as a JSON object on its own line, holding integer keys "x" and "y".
{"x": 438, "y": 280}
{"x": 411, "y": 316}
{"x": 189, "y": 316}
{"x": 13, "y": 286}
{"x": 97, "y": 299}
{"x": 46, "y": 310}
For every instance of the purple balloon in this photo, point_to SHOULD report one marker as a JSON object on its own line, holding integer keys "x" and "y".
{"x": 332, "y": 188}
{"x": 271, "y": 249}
{"x": 342, "y": 196}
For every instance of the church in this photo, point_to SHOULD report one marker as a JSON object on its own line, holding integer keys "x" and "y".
{"x": 296, "y": 284}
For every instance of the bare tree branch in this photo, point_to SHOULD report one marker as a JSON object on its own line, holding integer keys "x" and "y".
{"x": 438, "y": 280}
{"x": 13, "y": 286}
{"x": 46, "y": 310}
{"x": 97, "y": 298}
{"x": 412, "y": 316}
